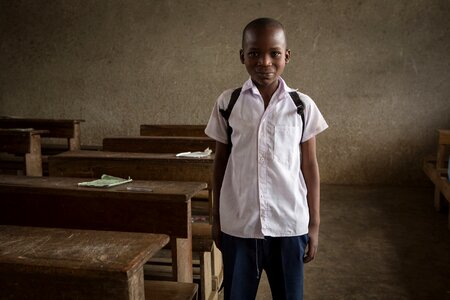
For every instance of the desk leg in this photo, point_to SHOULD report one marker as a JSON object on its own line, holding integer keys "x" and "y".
{"x": 136, "y": 285}
{"x": 74, "y": 142}
{"x": 182, "y": 259}
{"x": 33, "y": 160}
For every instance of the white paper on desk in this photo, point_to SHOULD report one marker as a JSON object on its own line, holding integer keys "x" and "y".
{"x": 197, "y": 154}
{"x": 105, "y": 181}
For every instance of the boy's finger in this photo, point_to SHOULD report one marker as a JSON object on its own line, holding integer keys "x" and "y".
{"x": 310, "y": 254}
{"x": 307, "y": 259}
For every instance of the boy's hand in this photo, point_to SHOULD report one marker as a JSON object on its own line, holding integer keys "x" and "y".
{"x": 313, "y": 243}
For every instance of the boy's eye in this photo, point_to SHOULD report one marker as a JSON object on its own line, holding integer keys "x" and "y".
{"x": 276, "y": 54}
{"x": 253, "y": 54}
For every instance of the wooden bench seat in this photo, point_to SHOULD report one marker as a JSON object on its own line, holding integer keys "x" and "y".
{"x": 437, "y": 171}
{"x": 22, "y": 142}
{"x": 165, "y": 290}
{"x": 172, "y": 130}
{"x": 59, "y": 202}
{"x": 54, "y": 263}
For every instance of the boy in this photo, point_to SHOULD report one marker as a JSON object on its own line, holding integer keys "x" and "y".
{"x": 266, "y": 185}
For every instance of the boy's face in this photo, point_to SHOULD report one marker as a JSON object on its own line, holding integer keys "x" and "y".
{"x": 264, "y": 55}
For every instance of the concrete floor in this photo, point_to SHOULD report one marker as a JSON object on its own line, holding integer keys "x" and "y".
{"x": 378, "y": 243}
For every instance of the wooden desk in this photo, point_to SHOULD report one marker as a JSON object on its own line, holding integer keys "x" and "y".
{"x": 51, "y": 263}
{"x": 145, "y": 166}
{"x": 437, "y": 170}
{"x": 26, "y": 142}
{"x": 59, "y": 202}
{"x": 158, "y": 144}
{"x": 173, "y": 130}
{"x": 56, "y": 128}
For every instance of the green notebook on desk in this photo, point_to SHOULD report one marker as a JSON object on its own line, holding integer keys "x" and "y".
{"x": 105, "y": 181}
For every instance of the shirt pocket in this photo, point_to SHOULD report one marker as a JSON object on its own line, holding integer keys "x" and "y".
{"x": 286, "y": 143}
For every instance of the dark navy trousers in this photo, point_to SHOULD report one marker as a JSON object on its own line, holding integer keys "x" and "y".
{"x": 281, "y": 258}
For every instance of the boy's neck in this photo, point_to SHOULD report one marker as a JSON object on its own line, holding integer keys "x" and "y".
{"x": 267, "y": 91}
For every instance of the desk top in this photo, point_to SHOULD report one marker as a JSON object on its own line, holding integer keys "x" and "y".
{"x": 103, "y": 251}
{"x": 12, "y": 119}
{"x": 131, "y": 156}
{"x": 21, "y": 131}
{"x": 152, "y": 189}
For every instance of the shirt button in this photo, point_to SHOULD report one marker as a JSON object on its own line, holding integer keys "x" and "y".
{"x": 261, "y": 158}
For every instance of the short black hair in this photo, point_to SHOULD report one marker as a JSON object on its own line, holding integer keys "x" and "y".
{"x": 261, "y": 23}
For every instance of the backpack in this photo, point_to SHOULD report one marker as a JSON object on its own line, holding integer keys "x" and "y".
{"x": 235, "y": 95}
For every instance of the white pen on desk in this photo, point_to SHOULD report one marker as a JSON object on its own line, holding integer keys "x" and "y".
{"x": 139, "y": 189}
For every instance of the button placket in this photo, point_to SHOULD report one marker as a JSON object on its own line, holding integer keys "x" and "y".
{"x": 262, "y": 172}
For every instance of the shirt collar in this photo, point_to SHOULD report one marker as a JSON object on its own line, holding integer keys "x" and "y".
{"x": 283, "y": 88}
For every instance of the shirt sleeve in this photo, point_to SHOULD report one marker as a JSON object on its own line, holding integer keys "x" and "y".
{"x": 217, "y": 125}
{"x": 314, "y": 121}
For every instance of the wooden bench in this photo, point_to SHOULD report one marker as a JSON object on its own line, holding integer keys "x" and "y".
{"x": 54, "y": 263}
{"x": 60, "y": 202}
{"x": 56, "y": 128}
{"x": 173, "y": 130}
{"x": 22, "y": 142}
{"x": 437, "y": 170}
{"x": 158, "y": 144}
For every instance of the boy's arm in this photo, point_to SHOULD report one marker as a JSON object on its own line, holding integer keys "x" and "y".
{"x": 220, "y": 164}
{"x": 310, "y": 169}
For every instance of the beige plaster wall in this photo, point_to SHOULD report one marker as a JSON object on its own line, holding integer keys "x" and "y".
{"x": 378, "y": 70}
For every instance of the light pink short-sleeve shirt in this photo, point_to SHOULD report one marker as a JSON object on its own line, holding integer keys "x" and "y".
{"x": 263, "y": 191}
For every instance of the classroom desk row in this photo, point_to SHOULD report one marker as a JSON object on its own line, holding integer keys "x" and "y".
{"x": 148, "y": 166}
{"x": 60, "y": 203}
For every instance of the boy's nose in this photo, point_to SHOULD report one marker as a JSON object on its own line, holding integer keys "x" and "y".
{"x": 265, "y": 60}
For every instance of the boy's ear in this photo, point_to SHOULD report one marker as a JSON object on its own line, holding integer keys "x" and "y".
{"x": 241, "y": 55}
{"x": 287, "y": 56}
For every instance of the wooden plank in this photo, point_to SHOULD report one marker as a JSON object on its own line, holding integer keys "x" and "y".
{"x": 173, "y": 130}
{"x": 158, "y": 144}
{"x": 50, "y": 263}
{"x": 57, "y": 128}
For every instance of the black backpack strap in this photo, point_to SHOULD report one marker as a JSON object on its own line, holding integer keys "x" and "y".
{"x": 300, "y": 108}
{"x": 227, "y": 112}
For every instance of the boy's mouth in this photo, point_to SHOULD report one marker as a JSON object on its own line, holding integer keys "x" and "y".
{"x": 265, "y": 74}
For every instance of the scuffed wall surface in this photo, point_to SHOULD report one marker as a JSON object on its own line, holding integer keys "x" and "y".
{"x": 378, "y": 70}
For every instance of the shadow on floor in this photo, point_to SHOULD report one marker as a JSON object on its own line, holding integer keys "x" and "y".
{"x": 378, "y": 243}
